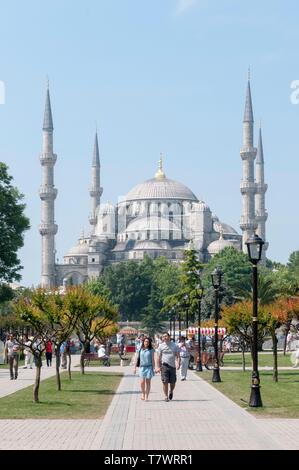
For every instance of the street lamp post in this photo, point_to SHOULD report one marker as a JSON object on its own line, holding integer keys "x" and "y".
{"x": 216, "y": 281}
{"x": 200, "y": 295}
{"x": 255, "y": 247}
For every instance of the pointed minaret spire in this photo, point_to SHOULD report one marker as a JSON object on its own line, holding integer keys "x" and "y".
{"x": 95, "y": 190}
{"x": 260, "y": 151}
{"x": 48, "y": 193}
{"x": 261, "y": 214}
{"x": 248, "y": 113}
{"x": 248, "y": 153}
{"x": 96, "y": 153}
{"x": 48, "y": 121}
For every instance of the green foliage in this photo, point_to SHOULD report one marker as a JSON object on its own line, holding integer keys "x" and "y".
{"x": 236, "y": 270}
{"x": 208, "y": 302}
{"x": 137, "y": 287}
{"x": 13, "y": 224}
{"x": 293, "y": 263}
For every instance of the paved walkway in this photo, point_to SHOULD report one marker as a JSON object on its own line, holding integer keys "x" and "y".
{"x": 26, "y": 377}
{"x": 199, "y": 417}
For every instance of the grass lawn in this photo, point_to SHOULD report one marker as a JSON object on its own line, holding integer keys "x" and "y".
{"x": 265, "y": 359}
{"x": 5, "y": 366}
{"x": 84, "y": 397}
{"x": 280, "y": 400}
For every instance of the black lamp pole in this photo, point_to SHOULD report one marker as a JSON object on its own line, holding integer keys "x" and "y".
{"x": 198, "y": 362}
{"x": 216, "y": 281}
{"x": 254, "y": 247}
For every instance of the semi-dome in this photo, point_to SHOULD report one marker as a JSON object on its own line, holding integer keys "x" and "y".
{"x": 151, "y": 223}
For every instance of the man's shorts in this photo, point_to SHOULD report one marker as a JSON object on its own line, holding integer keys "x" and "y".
{"x": 168, "y": 374}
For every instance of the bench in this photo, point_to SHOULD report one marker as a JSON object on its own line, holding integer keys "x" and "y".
{"x": 87, "y": 357}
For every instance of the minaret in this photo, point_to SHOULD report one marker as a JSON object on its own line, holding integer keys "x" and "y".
{"x": 95, "y": 190}
{"x": 261, "y": 188}
{"x": 248, "y": 223}
{"x": 48, "y": 193}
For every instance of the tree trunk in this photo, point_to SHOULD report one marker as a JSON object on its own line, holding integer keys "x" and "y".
{"x": 37, "y": 379}
{"x": 82, "y": 360}
{"x": 58, "y": 380}
{"x": 243, "y": 357}
{"x": 69, "y": 365}
{"x": 275, "y": 368}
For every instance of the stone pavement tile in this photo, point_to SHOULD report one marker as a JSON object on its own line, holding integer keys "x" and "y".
{"x": 284, "y": 431}
{"x": 197, "y": 417}
{"x": 48, "y": 434}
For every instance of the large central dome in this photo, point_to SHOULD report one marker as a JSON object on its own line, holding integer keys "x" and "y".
{"x": 160, "y": 187}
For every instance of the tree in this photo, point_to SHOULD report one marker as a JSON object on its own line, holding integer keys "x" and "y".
{"x": 164, "y": 282}
{"x": 237, "y": 318}
{"x": 293, "y": 263}
{"x": 29, "y": 311}
{"x": 236, "y": 270}
{"x": 94, "y": 314}
{"x": 13, "y": 224}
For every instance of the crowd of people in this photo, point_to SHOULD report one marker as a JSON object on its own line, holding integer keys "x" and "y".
{"x": 32, "y": 349}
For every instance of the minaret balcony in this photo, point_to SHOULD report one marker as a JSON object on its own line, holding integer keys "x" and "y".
{"x": 92, "y": 219}
{"x": 261, "y": 188}
{"x": 95, "y": 192}
{"x": 47, "y": 229}
{"x": 247, "y": 224}
{"x": 248, "y": 153}
{"x": 247, "y": 187}
{"x": 47, "y": 193}
{"x": 261, "y": 216}
{"x": 48, "y": 159}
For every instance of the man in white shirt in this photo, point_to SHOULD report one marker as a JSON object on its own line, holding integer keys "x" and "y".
{"x": 168, "y": 360}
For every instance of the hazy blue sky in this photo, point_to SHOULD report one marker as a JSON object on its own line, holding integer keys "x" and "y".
{"x": 156, "y": 75}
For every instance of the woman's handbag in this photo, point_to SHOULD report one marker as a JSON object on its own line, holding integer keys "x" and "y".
{"x": 138, "y": 360}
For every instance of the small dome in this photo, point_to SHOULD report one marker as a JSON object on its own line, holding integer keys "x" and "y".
{"x": 225, "y": 228}
{"x": 80, "y": 249}
{"x": 218, "y": 245}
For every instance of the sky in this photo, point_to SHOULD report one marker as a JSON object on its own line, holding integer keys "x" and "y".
{"x": 153, "y": 76}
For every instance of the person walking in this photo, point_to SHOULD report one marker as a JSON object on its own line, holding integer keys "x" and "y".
{"x": 12, "y": 356}
{"x": 49, "y": 353}
{"x": 28, "y": 353}
{"x": 167, "y": 356}
{"x": 184, "y": 352}
{"x": 63, "y": 355}
{"x": 146, "y": 364}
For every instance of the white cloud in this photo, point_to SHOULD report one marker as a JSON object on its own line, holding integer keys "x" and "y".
{"x": 184, "y": 5}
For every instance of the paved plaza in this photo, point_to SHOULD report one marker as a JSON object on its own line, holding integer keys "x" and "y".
{"x": 199, "y": 417}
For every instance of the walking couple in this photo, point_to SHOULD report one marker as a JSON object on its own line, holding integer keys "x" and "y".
{"x": 167, "y": 354}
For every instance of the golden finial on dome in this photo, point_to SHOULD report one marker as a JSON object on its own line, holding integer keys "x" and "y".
{"x": 160, "y": 173}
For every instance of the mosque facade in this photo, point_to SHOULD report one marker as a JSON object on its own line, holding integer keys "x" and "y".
{"x": 159, "y": 217}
